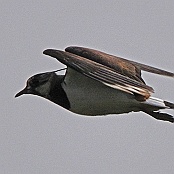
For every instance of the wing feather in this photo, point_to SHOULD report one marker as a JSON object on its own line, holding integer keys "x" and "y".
{"x": 114, "y": 62}
{"x": 99, "y": 72}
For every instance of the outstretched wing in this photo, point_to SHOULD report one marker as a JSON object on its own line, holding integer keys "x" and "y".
{"x": 117, "y": 62}
{"x": 102, "y": 73}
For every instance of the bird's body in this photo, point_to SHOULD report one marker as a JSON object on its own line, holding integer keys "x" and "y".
{"x": 96, "y": 83}
{"x": 90, "y": 97}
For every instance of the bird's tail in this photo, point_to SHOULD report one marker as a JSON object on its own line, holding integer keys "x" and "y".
{"x": 152, "y": 106}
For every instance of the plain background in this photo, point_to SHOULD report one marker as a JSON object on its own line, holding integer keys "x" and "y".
{"x": 37, "y": 136}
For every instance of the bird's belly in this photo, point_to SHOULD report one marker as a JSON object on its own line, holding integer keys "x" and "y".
{"x": 91, "y": 97}
{"x": 102, "y": 104}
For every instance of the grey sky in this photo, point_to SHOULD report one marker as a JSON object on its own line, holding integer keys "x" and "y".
{"x": 38, "y": 136}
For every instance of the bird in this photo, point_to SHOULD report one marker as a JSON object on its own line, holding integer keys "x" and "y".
{"x": 98, "y": 84}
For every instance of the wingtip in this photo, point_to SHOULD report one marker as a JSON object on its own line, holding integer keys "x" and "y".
{"x": 68, "y": 49}
{"x": 71, "y": 49}
{"x": 53, "y": 52}
{"x": 48, "y": 51}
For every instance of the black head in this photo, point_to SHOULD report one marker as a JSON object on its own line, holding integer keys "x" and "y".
{"x": 39, "y": 84}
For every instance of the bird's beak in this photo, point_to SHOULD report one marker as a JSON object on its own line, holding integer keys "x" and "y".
{"x": 24, "y": 91}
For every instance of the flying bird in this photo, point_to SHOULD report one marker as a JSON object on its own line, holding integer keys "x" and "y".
{"x": 96, "y": 83}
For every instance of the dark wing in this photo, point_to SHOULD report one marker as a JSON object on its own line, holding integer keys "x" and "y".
{"x": 102, "y": 73}
{"x": 121, "y": 65}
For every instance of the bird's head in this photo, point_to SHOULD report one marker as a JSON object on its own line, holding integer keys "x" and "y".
{"x": 39, "y": 84}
